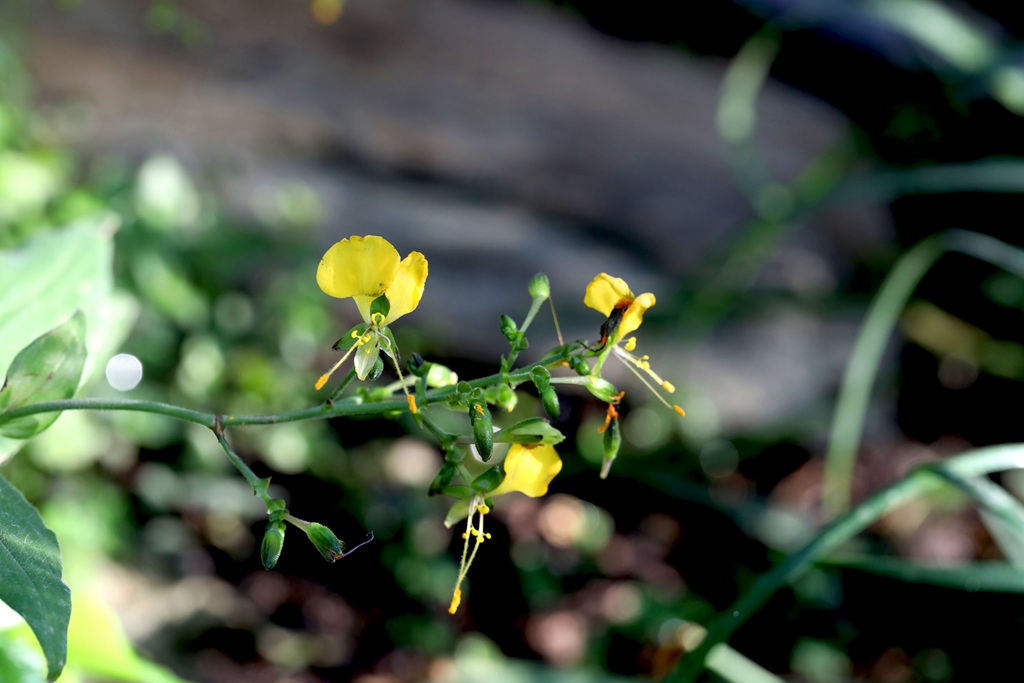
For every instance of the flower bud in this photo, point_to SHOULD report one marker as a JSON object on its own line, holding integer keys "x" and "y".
{"x": 612, "y": 441}
{"x": 483, "y": 427}
{"x": 509, "y": 329}
{"x": 579, "y": 365}
{"x": 540, "y": 288}
{"x": 440, "y": 376}
{"x": 550, "y": 400}
{"x": 325, "y": 541}
{"x": 273, "y": 542}
{"x": 506, "y": 398}
{"x": 541, "y": 377}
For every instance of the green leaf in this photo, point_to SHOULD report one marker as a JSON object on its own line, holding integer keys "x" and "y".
{"x": 47, "y": 278}
{"x": 48, "y": 369}
{"x": 30, "y": 570}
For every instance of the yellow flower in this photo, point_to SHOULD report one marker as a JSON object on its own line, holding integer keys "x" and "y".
{"x": 624, "y": 311}
{"x": 528, "y": 470}
{"x": 364, "y": 268}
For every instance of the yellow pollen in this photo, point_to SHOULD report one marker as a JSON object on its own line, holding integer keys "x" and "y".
{"x": 482, "y": 509}
{"x": 377, "y": 319}
{"x": 630, "y": 344}
{"x": 668, "y": 386}
{"x": 478, "y": 408}
{"x": 456, "y": 599}
{"x": 682, "y": 413}
{"x": 412, "y": 404}
{"x": 465, "y": 534}
{"x": 322, "y": 381}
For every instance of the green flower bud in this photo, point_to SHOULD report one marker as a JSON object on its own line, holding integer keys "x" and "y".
{"x": 489, "y": 480}
{"x": 602, "y": 388}
{"x": 612, "y": 441}
{"x": 579, "y": 365}
{"x": 483, "y": 427}
{"x": 509, "y": 329}
{"x": 506, "y": 398}
{"x": 443, "y": 477}
{"x": 273, "y": 542}
{"x": 550, "y": 400}
{"x": 440, "y": 376}
{"x": 325, "y": 541}
{"x": 540, "y": 288}
{"x": 541, "y": 377}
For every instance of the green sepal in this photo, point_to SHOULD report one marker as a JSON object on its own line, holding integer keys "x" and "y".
{"x": 377, "y": 370}
{"x": 349, "y": 339}
{"x": 455, "y": 454}
{"x": 531, "y": 432}
{"x": 391, "y": 346}
{"x": 489, "y": 480}
{"x": 48, "y": 369}
{"x": 443, "y": 478}
{"x": 417, "y": 366}
{"x": 457, "y": 491}
{"x": 612, "y": 442}
{"x": 325, "y": 541}
{"x": 483, "y": 425}
{"x": 273, "y": 543}
{"x": 463, "y": 393}
{"x": 459, "y": 510}
{"x": 540, "y": 287}
{"x": 541, "y": 377}
{"x": 380, "y": 305}
{"x": 602, "y": 388}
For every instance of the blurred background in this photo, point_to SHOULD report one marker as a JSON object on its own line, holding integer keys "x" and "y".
{"x": 759, "y": 165}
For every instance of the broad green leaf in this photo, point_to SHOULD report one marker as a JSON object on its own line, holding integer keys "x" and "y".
{"x": 30, "y": 575}
{"x": 47, "y": 278}
{"x": 48, "y": 369}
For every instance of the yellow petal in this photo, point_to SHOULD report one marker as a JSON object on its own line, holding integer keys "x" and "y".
{"x": 634, "y": 315}
{"x": 407, "y": 287}
{"x": 358, "y": 267}
{"x": 605, "y": 291}
{"x": 529, "y": 470}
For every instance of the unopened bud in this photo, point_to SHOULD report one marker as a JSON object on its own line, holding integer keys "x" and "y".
{"x": 325, "y": 541}
{"x": 483, "y": 427}
{"x": 273, "y": 543}
{"x": 540, "y": 288}
{"x": 612, "y": 441}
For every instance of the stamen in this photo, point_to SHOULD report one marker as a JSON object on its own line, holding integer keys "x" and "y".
{"x": 630, "y": 344}
{"x": 323, "y": 378}
{"x": 632, "y": 362}
{"x": 378, "y": 319}
{"x": 476, "y": 505}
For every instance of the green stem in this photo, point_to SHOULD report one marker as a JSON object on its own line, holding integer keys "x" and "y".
{"x": 259, "y": 486}
{"x": 971, "y": 464}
